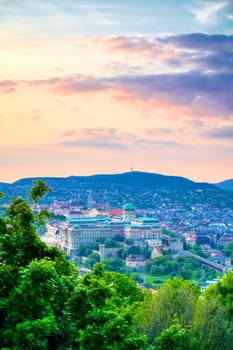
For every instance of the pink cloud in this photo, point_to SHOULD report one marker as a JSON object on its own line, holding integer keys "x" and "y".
{"x": 159, "y": 104}
{"x": 8, "y": 86}
{"x": 69, "y": 133}
{"x": 80, "y": 85}
{"x": 141, "y": 45}
{"x": 72, "y": 85}
{"x": 35, "y": 118}
{"x": 113, "y": 138}
{"x": 175, "y": 95}
{"x": 8, "y": 91}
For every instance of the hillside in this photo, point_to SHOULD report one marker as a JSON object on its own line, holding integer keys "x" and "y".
{"x": 135, "y": 179}
{"x": 226, "y": 185}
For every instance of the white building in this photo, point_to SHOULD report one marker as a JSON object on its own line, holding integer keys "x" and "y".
{"x": 137, "y": 263}
{"x": 143, "y": 228}
{"x": 82, "y": 232}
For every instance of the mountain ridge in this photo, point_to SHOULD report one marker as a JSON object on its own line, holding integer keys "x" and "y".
{"x": 134, "y": 178}
{"x": 225, "y": 185}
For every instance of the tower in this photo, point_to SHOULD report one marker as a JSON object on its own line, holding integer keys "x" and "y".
{"x": 89, "y": 200}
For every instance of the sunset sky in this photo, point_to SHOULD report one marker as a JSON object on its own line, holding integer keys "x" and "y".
{"x": 102, "y": 86}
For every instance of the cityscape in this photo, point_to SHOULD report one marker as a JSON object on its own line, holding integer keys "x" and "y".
{"x": 116, "y": 175}
{"x": 129, "y": 224}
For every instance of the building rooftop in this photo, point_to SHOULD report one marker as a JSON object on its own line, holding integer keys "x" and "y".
{"x": 129, "y": 207}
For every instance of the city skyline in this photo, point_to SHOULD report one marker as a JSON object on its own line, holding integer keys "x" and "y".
{"x": 103, "y": 87}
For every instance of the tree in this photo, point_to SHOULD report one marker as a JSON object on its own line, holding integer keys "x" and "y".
{"x": 136, "y": 276}
{"x": 113, "y": 264}
{"x": 38, "y": 191}
{"x": 228, "y": 250}
{"x": 92, "y": 259}
{"x": 118, "y": 238}
{"x": 45, "y": 304}
{"x": 104, "y": 316}
{"x": 173, "y": 338}
{"x": 211, "y": 327}
{"x": 175, "y": 302}
{"x": 223, "y": 290}
{"x": 129, "y": 241}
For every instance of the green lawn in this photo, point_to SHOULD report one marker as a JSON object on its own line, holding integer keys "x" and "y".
{"x": 151, "y": 279}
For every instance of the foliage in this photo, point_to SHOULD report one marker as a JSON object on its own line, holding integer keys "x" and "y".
{"x": 129, "y": 241}
{"x": 115, "y": 265}
{"x": 92, "y": 259}
{"x": 111, "y": 244}
{"x": 184, "y": 267}
{"x": 44, "y": 304}
{"x": 223, "y": 290}
{"x": 84, "y": 250}
{"x": 135, "y": 276}
{"x": 212, "y": 328}
{"x": 173, "y": 338}
{"x": 168, "y": 233}
{"x": 59, "y": 217}
{"x": 228, "y": 250}
{"x": 196, "y": 249}
{"x": 118, "y": 238}
{"x": 38, "y": 191}
{"x": 174, "y": 302}
{"x": 104, "y": 316}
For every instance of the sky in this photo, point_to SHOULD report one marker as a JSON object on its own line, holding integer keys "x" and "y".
{"x": 102, "y": 86}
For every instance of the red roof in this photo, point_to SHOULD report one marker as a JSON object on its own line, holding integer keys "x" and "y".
{"x": 159, "y": 251}
{"x": 115, "y": 212}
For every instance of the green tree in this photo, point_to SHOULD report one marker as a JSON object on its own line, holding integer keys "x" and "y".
{"x": 136, "y": 276}
{"x": 211, "y": 327}
{"x": 173, "y": 338}
{"x": 175, "y": 302}
{"x": 92, "y": 259}
{"x": 129, "y": 241}
{"x": 45, "y": 304}
{"x": 228, "y": 250}
{"x": 38, "y": 190}
{"x": 223, "y": 290}
{"x": 104, "y": 320}
{"x": 113, "y": 264}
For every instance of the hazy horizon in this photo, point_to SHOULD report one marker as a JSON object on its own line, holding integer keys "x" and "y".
{"x": 100, "y": 87}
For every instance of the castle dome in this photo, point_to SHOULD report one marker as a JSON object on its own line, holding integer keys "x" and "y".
{"x": 129, "y": 207}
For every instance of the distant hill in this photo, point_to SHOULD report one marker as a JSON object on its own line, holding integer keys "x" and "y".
{"x": 3, "y": 186}
{"x": 142, "y": 189}
{"x": 226, "y": 185}
{"x": 135, "y": 179}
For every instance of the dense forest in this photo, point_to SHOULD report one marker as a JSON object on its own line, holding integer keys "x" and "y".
{"x": 46, "y": 304}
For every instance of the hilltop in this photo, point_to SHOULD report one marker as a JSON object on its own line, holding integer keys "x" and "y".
{"x": 114, "y": 189}
{"x": 226, "y": 185}
{"x": 135, "y": 178}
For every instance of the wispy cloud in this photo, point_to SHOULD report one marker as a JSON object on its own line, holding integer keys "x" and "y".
{"x": 134, "y": 45}
{"x": 206, "y": 12}
{"x": 225, "y": 132}
{"x": 200, "y": 41}
{"x": 93, "y": 144}
{"x": 205, "y": 92}
{"x": 101, "y": 137}
{"x": 112, "y": 138}
{"x": 230, "y": 17}
{"x": 7, "y": 86}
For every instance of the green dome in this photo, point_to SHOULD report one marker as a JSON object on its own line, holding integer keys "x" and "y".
{"x": 129, "y": 207}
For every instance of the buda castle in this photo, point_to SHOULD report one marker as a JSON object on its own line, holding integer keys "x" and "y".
{"x": 83, "y": 231}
